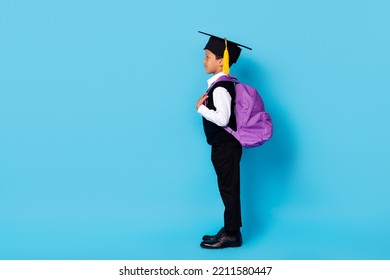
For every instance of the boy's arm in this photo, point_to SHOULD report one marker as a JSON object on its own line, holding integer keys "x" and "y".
{"x": 222, "y": 103}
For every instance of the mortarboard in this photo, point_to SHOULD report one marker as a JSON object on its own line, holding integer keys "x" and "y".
{"x": 230, "y": 51}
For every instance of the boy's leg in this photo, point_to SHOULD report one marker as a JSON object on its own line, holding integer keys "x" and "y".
{"x": 226, "y": 160}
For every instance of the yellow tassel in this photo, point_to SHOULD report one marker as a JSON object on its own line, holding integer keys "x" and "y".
{"x": 225, "y": 67}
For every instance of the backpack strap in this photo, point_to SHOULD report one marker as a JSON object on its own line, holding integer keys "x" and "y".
{"x": 227, "y": 78}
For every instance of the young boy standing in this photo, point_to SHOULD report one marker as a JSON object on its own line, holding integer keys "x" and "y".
{"x": 217, "y": 109}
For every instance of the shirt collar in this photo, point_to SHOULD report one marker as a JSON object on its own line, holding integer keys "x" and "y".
{"x": 214, "y": 78}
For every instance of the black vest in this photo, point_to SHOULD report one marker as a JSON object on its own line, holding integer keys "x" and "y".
{"x": 214, "y": 133}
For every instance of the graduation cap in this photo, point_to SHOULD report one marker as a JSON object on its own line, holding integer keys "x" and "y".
{"x": 230, "y": 51}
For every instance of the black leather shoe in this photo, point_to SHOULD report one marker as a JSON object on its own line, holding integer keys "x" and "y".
{"x": 224, "y": 241}
{"x": 212, "y": 237}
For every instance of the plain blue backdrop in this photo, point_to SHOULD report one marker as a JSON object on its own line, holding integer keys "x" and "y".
{"x": 103, "y": 156}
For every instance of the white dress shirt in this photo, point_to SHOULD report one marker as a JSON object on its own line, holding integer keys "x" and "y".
{"x": 222, "y": 102}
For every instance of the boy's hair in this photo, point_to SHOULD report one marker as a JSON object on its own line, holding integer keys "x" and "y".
{"x": 220, "y": 57}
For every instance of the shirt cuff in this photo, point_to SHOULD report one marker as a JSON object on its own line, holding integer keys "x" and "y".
{"x": 202, "y": 109}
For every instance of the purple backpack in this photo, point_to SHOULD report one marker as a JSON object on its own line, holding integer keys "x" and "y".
{"x": 254, "y": 125}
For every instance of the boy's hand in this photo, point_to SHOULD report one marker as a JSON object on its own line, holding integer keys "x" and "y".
{"x": 202, "y": 98}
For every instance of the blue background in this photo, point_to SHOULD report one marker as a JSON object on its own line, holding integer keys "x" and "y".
{"x": 103, "y": 156}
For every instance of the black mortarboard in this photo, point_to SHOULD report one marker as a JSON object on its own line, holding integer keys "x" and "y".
{"x": 217, "y": 45}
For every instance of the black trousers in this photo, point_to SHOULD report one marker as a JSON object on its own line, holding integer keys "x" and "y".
{"x": 226, "y": 159}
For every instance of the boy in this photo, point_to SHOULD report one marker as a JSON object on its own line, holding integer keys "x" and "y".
{"x": 217, "y": 110}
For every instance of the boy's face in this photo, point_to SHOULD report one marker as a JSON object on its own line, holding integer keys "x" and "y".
{"x": 211, "y": 63}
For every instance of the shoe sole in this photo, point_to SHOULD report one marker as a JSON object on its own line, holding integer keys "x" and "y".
{"x": 221, "y": 247}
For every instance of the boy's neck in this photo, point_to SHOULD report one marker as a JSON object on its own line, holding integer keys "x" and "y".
{"x": 216, "y": 73}
{"x": 215, "y": 77}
